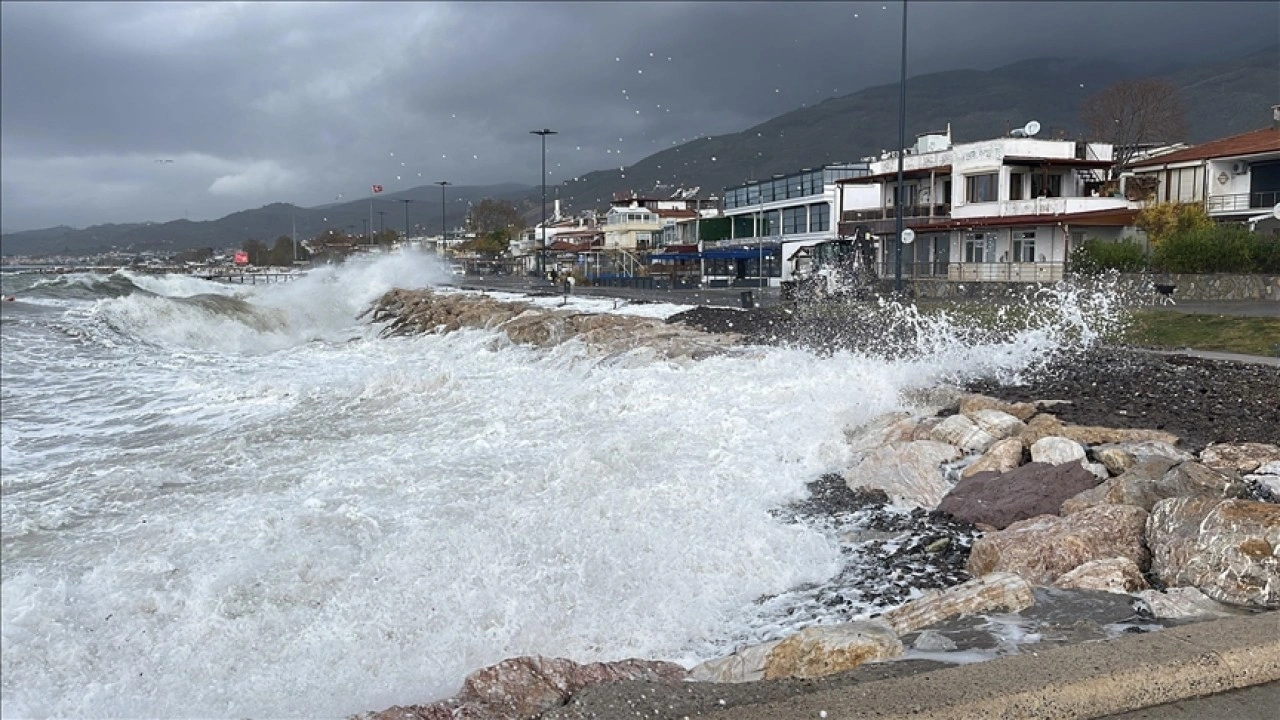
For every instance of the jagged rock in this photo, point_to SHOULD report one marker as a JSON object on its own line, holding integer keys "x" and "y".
{"x": 1000, "y": 500}
{"x": 1229, "y": 549}
{"x": 1183, "y": 602}
{"x": 1114, "y": 459}
{"x": 524, "y": 688}
{"x": 1044, "y": 548}
{"x": 824, "y": 650}
{"x": 924, "y": 430}
{"x": 962, "y": 432}
{"x": 932, "y": 400}
{"x": 1193, "y": 478}
{"x": 972, "y": 402}
{"x": 1114, "y": 575}
{"x": 879, "y": 431}
{"x": 1098, "y": 469}
{"x": 1119, "y": 457}
{"x": 997, "y": 592}
{"x": 1003, "y": 456}
{"x": 1054, "y": 450}
{"x": 909, "y": 473}
{"x": 997, "y": 424}
{"x": 1140, "y": 487}
{"x": 1239, "y": 457}
{"x": 745, "y": 665}
{"x": 933, "y": 641}
{"x": 1265, "y": 482}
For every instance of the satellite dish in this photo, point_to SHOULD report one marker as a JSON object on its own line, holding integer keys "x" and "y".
{"x": 908, "y": 236}
{"x": 1031, "y": 128}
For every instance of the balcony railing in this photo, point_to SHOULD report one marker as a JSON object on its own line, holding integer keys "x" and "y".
{"x": 977, "y": 272}
{"x": 1241, "y": 202}
{"x": 909, "y": 211}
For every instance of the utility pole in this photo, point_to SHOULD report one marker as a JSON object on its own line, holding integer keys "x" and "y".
{"x": 406, "y": 218}
{"x": 293, "y": 217}
{"x": 444, "y": 229}
{"x": 381, "y": 221}
{"x": 902, "y": 142}
{"x": 542, "y": 251}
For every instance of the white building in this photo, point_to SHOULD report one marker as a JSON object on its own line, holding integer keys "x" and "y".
{"x": 1005, "y": 209}
{"x": 771, "y": 219}
{"x": 1235, "y": 178}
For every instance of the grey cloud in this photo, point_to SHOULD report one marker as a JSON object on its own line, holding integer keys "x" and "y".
{"x": 300, "y": 102}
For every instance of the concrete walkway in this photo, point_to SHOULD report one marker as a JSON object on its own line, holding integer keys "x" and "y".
{"x": 1261, "y": 702}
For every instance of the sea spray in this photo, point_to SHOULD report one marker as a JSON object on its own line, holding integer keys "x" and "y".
{"x": 210, "y": 516}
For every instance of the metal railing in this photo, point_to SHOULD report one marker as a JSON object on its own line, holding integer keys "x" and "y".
{"x": 977, "y": 272}
{"x": 908, "y": 211}
{"x": 1240, "y": 202}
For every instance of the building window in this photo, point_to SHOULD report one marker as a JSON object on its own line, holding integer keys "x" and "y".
{"x": 1024, "y": 247}
{"x": 1047, "y": 186}
{"x": 1015, "y": 186}
{"x": 820, "y": 217}
{"x": 975, "y": 248}
{"x": 770, "y": 223}
{"x": 794, "y": 221}
{"x": 982, "y": 188}
{"x": 643, "y": 239}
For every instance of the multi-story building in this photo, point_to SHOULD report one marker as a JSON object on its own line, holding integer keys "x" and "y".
{"x": 1005, "y": 209}
{"x": 1236, "y": 178}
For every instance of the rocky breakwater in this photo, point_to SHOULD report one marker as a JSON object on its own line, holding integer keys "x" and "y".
{"x": 424, "y": 311}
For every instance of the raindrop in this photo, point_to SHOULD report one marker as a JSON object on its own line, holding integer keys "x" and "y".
{"x": 650, "y": 54}
{"x": 475, "y": 157}
{"x": 777, "y": 90}
{"x": 855, "y": 14}
{"x": 617, "y": 59}
{"x": 393, "y": 154}
{"x": 579, "y": 147}
{"x": 397, "y": 177}
{"x": 637, "y": 112}
{"x": 454, "y": 115}
{"x": 639, "y": 72}
{"x": 713, "y": 158}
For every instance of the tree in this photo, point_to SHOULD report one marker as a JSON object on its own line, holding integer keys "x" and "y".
{"x": 257, "y": 251}
{"x": 489, "y": 215}
{"x": 1163, "y": 220}
{"x": 281, "y": 253}
{"x": 1132, "y": 112}
{"x": 493, "y": 244}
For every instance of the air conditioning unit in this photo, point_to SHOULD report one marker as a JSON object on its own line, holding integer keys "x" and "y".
{"x": 1239, "y": 167}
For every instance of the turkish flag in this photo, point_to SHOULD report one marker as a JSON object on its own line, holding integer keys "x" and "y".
{"x": 377, "y": 188}
{"x": 241, "y": 258}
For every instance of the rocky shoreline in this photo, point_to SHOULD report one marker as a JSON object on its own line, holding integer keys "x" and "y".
{"x": 1115, "y": 492}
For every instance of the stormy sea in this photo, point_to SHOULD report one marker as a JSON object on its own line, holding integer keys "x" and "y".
{"x": 226, "y": 501}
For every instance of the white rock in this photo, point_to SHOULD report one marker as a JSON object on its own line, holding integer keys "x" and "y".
{"x": 827, "y": 649}
{"x": 1097, "y": 469}
{"x": 878, "y": 432}
{"x": 933, "y": 641}
{"x": 997, "y": 424}
{"x": 1183, "y": 602}
{"x": 1056, "y": 450}
{"x": 909, "y": 473}
{"x": 964, "y": 433}
{"x": 745, "y": 665}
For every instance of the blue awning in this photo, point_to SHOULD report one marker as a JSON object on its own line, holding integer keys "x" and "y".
{"x": 745, "y": 252}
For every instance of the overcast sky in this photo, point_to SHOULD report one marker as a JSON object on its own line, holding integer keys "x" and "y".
{"x": 296, "y": 102}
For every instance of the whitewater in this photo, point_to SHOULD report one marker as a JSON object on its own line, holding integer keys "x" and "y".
{"x": 241, "y": 502}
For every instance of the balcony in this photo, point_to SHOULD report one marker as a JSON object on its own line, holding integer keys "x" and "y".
{"x": 977, "y": 272}
{"x": 909, "y": 211}
{"x": 1242, "y": 202}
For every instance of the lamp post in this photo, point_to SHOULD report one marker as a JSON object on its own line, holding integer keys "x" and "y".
{"x": 382, "y": 222}
{"x": 406, "y": 218}
{"x": 902, "y": 141}
{"x": 542, "y": 251}
{"x": 444, "y": 231}
{"x": 365, "y": 234}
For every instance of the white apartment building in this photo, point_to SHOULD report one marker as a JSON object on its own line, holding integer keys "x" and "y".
{"x": 1005, "y": 209}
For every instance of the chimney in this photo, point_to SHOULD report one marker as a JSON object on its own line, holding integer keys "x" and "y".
{"x": 556, "y": 217}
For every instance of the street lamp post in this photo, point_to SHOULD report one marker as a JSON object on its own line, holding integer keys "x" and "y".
{"x": 444, "y": 229}
{"x": 365, "y": 234}
{"x": 902, "y": 142}
{"x": 406, "y": 218}
{"x": 542, "y": 251}
{"x": 382, "y": 222}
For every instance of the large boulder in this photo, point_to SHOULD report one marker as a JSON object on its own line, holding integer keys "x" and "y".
{"x": 960, "y": 431}
{"x": 1113, "y": 575}
{"x": 997, "y": 592}
{"x": 1119, "y": 457}
{"x": 909, "y": 473}
{"x": 1044, "y": 548}
{"x": 1154, "y": 479}
{"x": 880, "y": 431}
{"x": 1055, "y": 450}
{"x": 997, "y": 424}
{"x": 1047, "y": 425}
{"x": 744, "y": 665}
{"x": 1183, "y": 602}
{"x": 524, "y": 688}
{"x": 1003, "y": 456}
{"x": 1229, "y": 549}
{"x": 1000, "y": 500}
{"x": 973, "y": 402}
{"x": 828, "y": 649}
{"x": 1241, "y": 458}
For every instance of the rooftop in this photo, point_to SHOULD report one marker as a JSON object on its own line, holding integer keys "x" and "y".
{"x": 1250, "y": 143}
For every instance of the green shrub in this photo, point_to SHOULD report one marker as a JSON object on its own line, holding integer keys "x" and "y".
{"x": 1094, "y": 256}
{"x": 1266, "y": 254}
{"x": 1220, "y": 248}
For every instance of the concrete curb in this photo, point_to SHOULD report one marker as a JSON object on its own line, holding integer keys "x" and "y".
{"x": 1088, "y": 680}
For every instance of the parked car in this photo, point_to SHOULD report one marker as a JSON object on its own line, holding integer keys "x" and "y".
{"x": 457, "y": 269}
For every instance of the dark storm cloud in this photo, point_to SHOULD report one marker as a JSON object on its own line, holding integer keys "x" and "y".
{"x": 298, "y": 102}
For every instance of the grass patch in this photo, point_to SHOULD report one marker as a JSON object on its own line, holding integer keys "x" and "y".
{"x": 1166, "y": 329}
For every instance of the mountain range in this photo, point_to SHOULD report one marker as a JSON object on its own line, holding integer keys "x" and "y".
{"x": 1220, "y": 98}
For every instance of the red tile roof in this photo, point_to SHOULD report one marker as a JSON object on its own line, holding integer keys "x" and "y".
{"x": 675, "y": 213}
{"x": 1116, "y": 217}
{"x": 1250, "y": 143}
